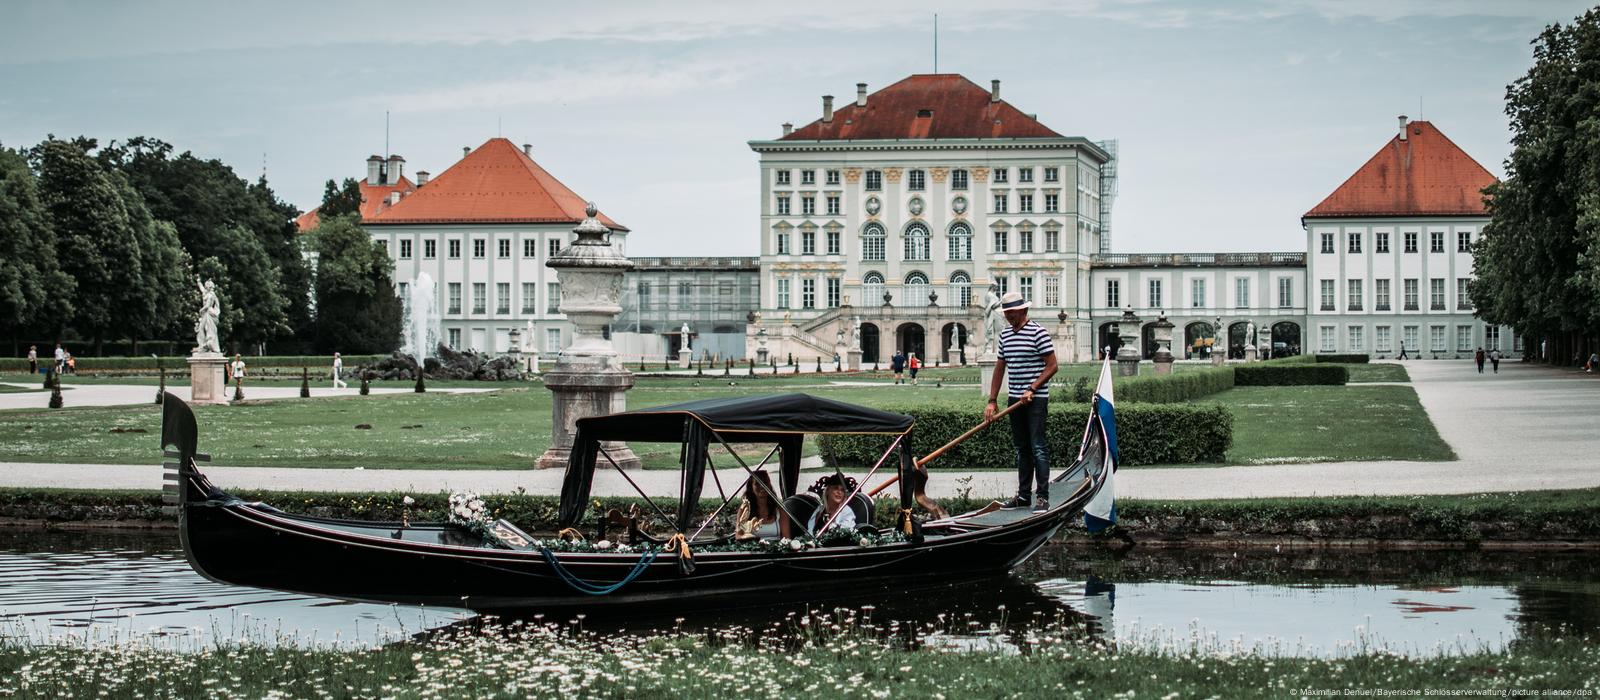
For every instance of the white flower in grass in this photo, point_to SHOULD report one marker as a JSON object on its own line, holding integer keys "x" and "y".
{"x": 409, "y": 501}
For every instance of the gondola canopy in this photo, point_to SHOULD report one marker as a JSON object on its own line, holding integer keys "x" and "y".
{"x": 782, "y": 419}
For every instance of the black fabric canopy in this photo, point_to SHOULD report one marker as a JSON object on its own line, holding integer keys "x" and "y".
{"x": 783, "y": 419}
{"x": 775, "y": 413}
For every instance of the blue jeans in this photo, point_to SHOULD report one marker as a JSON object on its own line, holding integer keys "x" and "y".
{"x": 1033, "y": 454}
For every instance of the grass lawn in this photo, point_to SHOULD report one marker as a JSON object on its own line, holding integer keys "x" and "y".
{"x": 1294, "y": 424}
{"x": 1382, "y": 372}
{"x": 317, "y": 381}
{"x": 6, "y": 389}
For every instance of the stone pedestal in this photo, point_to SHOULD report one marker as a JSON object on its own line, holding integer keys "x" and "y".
{"x": 986, "y": 365}
{"x": 684, "y": 355}
{"x": 581, "y": 392}
{"x": 853, "y": 360}
{"x": 1249, "y": 353}
{"x": 1217, "y": 359}
{"x": 208, "y": 378}
{"x": 1163, "y": 366}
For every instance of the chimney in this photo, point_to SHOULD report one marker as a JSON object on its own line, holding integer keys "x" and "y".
{"x": 1402, "y": 127}
{"x": 397, "y": 168}
{"x": 394, "y": 198}
{"x": 994, "y": 91}
{"x": 861, "y": 94}
{"x": 827, "y": 108}
{"x": 465, "y": 150}
{"x": 527, "y": 150}
{"x": 422, "y": 177}
{"x": 788, "y": 128}
{"x": 374, "y": 169}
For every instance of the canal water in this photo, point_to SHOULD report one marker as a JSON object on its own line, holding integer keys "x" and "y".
{"x": 119, "y": 586}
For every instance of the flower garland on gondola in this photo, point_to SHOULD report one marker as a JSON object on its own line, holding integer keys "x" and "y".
{"x": 833, "y": 537}
{"x": 468, "y": 510}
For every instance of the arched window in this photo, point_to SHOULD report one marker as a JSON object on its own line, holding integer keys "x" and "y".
{"x": 961, "y": 289}
{"x": 916, "y": 290}
{"x": 872, "y": 242}
{"x": 918, "y": 242}
{"x": 960, "y": 242}
{"x": 872, "y": 289}
{"x": 874, "y": 180}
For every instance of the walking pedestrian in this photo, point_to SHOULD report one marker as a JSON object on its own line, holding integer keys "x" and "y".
{"x": 238, "y": 371}
{"x": 1030, "y": 357}
{"x": 1594, "y": 359}
{"x": 1494, "y": 357}
{"x": 1402, "y": 355}
{"x": 898, "y": 364}
{"x": 61, "y": 358}
{"x": 338, "y": 369}
{"x": 33, "y": 359}
{"x": 914, "y": 364}
{"x": 1479, "y": 357}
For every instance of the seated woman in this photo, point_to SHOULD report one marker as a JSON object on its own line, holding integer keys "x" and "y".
{"x": 757, "y": 516}
{"x": 836, "y": 489}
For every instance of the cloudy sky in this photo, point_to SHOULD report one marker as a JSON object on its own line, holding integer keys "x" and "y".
{"x": 1233, "y": 117}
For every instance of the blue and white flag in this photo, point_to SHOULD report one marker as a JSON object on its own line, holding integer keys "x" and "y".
{"x": 1101, "y": 512}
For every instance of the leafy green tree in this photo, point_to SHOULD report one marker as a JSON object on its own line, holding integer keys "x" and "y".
{"x": 1538, "y": 262}
{"x": 357, "y": 310}
{"x": 35, "y": 295}
{"x": 340, "y": 200}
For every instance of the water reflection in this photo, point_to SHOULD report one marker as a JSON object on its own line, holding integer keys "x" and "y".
{"x": 120, "y": 585}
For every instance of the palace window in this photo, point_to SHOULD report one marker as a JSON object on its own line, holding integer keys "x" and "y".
{"x": 1024, "y": 174}
{"x": 1197, "y": 293}
{"x": 1327, "y": 242}
{"x": 553, "y": 248}
{"x": 1001, "y": 175}
{"x": 1383, "y": 339}
{"x": 1025, "y": 203}
{"x": 1411, "y": 294}
{"x": 1000, "y": 203}
{"x": 874, "y": 180}
{"x": 1380, "y": 242}
{"x": 1463, "y": 338}
{"x": 1326, "y": 335}
{"x": 808, "y": 177}
{"x": 1327, "y": 295}
{"x": 1241, "y": 292}
{"x": 872, "y": 288}
{"x": 1354, "y": 340}
{"x": 1463, "y": 301}
{"x": 455, "y": 338}
{"x": 455, "y": 298}
{"x": 918, "y": 242}
{"x": 872, "y": 242}
{"x": 1380, "y": 293}
{"x": 916, "y": 290}
{"x": 960, "y": 242}
{"x": 1352, "y": 294}
{"x": 1436, "y": 294}
{"x": 480, "y": 297}
{"x": 808, "y": 205}
{"x": 1052, "y": 174}
{"x": 833, "y": 205}
{"x": 783, "y": 204}
{"x": 1025, "y": 286}
{"x": 1411, "y": 241}
{"x": 783, "y": 293}
{"x": 685, "y": 295}
{"x": 478, "y": 247}
{"x": 833, "y": 292}
{"x": 961, "y": 289}
{"x": 808, "y": 293}
{"x": 1354, "y": 242}
{"x": 1463, "y": 241}
{"x": 530, "y": 248}
{"x": 405, "y": 250}
{"x": 430, "y": 249}
{"x": 1491, "y": 337}
{"x": 1002, "y": 242}
{"x": 833, "y": 242}
{"x": 1408, "y": 338}
{"x": 1436, "y": 338}
{"x": 1154, "y": 299}
{"x": 1113, "y": 294}
{"x": 1436, "y": 242}
{"x": 958, "y": 179}
{"x": 530, "y": 302}
{"x": 1285, "y": 293}
{"x": 783, "y": 243}
{"x": 783, "y": 176}
{"x": 1052, "y": 290}
{"x": 1052, "y": 203}
{"x": 502, "y": 297}
{"x": 503, "y": 248}
{"x": 552, "y": 297}
{"x": 1052, "y": 241}
{"x": 1025, "y": 241}
{"x": 808, "y": 242}
{"x": 833, "y": 177}
{"x": 916, "y": 180}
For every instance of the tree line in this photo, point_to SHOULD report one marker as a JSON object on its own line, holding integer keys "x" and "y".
{"x": 102, "y": 244}
{"x": 1538, "y": 262}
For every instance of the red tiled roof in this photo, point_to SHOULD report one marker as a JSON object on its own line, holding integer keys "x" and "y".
{"x": 496, "y": 183}
{"x": 374, "y": 199}
{"x": 957, "y": 108}
{"x": 1426, "y": 174}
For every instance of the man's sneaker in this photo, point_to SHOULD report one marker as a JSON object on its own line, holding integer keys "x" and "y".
{"x": 1016, "y": 502}
{"x": 1041, "y": 505}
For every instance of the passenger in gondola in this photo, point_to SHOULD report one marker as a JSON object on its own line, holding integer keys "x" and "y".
{"x": 835, "y": 495}
{"x": 757, "y": 517}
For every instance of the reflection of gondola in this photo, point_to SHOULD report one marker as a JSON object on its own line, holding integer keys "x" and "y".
{"x": 229, "y": 540}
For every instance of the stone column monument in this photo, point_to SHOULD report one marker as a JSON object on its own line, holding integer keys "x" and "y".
{"x": 1163, "y": 338}
{"x": 853, "y": 356}
{"x": 587, "y": 378}
{"x": 685, "y": 353}
{"x": 208, "y": 380}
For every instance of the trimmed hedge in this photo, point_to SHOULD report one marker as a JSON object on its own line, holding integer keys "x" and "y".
{"x": 1147, "y": 434}
{"x": 1291, "y": 375}
{"x": 1346, "y": 358}
{"x": 1149, "y": 388}
{"x": 91, "y": 365}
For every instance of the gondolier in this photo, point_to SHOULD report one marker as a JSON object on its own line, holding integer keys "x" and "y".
{"x": 1026, "y": 351}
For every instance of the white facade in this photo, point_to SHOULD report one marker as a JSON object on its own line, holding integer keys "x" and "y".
{"x": 1194, "y": 291}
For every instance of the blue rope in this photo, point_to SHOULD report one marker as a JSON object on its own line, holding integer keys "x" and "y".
{"x": 583, "y": 586}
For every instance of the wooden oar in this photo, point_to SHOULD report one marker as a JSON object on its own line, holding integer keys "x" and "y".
{"x": 947, "y": 446}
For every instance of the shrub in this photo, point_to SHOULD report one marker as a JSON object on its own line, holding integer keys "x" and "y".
{"x": 1150, "y": 388}
{"x": 1346, "y": 358}
{"x": 101, "y": 365}
{"x": 1290, "y": 375}
{"x": 1147, "y": 434}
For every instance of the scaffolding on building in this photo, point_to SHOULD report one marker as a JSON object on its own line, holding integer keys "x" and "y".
{"x": 1108, "y": 192}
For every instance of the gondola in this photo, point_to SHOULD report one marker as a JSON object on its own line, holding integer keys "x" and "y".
{"x": 500, "y": 569}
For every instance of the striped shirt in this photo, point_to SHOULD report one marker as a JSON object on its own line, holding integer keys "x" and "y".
{"x": 1023, "y": 350}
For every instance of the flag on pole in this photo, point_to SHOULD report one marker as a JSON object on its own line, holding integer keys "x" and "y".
{"x": 1101, "y": 513}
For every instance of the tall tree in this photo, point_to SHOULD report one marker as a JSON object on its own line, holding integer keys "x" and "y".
{"x": 340, "y": 200}
{"x": 357, "y": 310}
{"x": 1538, "y": 262}
{"x": 35, "y": 295}
{"x": 287, "y": 248}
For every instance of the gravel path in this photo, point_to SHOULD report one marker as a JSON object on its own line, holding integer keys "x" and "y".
{"x": 1527, "y": 428}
